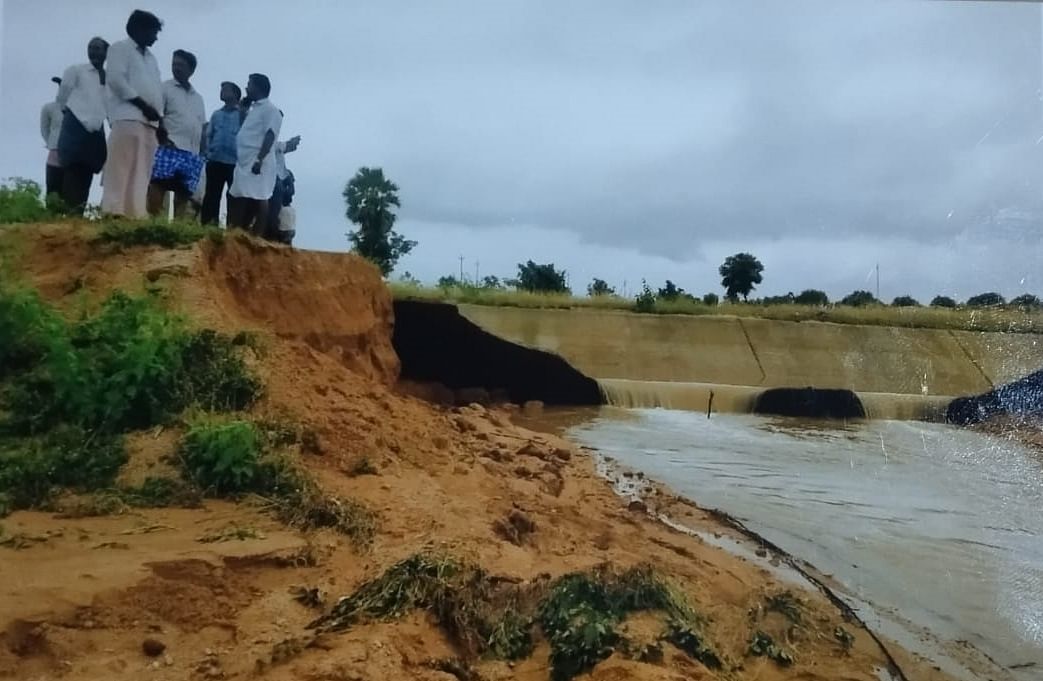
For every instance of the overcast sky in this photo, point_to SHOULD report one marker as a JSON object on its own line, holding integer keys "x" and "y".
{"x": 627, "y": 139}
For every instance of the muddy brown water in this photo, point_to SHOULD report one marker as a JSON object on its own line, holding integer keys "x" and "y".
{"x": 929, "y": 528}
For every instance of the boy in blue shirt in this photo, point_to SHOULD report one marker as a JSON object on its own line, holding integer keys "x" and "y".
{"x": 221, "y": 152}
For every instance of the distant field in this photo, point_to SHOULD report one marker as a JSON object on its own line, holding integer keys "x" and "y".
{"x": 968, "y": 319}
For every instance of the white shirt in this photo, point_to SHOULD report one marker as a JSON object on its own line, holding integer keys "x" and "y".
{"x": 51, "y": 124}
{"x": 184, "y": 115}
{"x": 288, "y": 219}
{"x": 280, "y": 160}
{"x": 82, "y": 93}
{"x": 130, "y": 73}
{"x": 262, "y": 117}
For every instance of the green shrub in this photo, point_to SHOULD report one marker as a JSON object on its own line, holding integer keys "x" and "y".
{"x": 155, "y": 232}
{"x": 22, "y": 201}
{"x": 216, "y": 378}
{"x": 129, "y": 365}
{"x": 645, "y": 301}
{"x": 223, "y": 457}
{"x": 31, "y": 469}
{"x": 25, "y": 325}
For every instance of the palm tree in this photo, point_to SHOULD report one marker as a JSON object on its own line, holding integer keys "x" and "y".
{"x": 371, "y": 197}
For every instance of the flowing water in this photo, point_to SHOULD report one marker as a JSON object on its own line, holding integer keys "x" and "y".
{"x": 941, "y": 528}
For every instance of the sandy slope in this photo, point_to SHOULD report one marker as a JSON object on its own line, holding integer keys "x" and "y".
{"x": 80, "y": 599}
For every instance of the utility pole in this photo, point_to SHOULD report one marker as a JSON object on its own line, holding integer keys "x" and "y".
{"x": 476, "y": 261}
{"x": 461, "y": 269}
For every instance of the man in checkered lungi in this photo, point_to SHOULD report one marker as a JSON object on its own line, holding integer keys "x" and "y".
{"x": 179, "y": 162}
{"x": 178, "y": 171}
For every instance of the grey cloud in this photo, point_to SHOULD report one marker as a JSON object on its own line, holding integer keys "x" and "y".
{"x": 649, "y": 127}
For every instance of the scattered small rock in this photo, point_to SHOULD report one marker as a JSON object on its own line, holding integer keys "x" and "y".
{"x": 459, "y": 470}
{"x": 310, "y": 597}
{"x": 563, "y": 454}
{"x": 464, "y": 425}
{"x": 153, "y": 647}
{"x": 472, "y": 397}
{"x": 515, "y": 527}
{"x": 154, "y": 275}
{"x": 553, "y": 484}
{"x": 762, "y": 552}
{"x": 532, "y": 408}
{"x": 440, "y": 441}
{"x": 637, "y": 506}
{"x": 498, "y": 455}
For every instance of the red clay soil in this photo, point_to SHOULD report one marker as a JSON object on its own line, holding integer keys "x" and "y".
{"x": 82, "y": 596}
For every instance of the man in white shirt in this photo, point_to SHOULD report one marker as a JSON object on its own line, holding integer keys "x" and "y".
{"x": 255, "y": 171}
{"x": 179, "y": 163}
{"x": 135, "y": 98}
{"x": 282, "y": 173}
{"x": 50, "y": 129}
{"x": 81, "y": 145}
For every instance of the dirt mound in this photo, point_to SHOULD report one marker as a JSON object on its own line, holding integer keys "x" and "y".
{"x": 334, "y": 302}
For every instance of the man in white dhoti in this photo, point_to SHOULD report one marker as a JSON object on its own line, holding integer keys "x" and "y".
{"x": 255, "y": 170}
{"x": 135, "y": 98}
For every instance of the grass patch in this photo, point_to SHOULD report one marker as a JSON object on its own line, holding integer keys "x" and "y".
{"x": 34, "y": 469}
{"x": 156, "y": 232}
{"x": 152, "y": 493}
{"x": 579, "y": 614}
{"x": 1011, "y": 319}
{"x": 232, "y": 458}
{"x": 69, "y": 389}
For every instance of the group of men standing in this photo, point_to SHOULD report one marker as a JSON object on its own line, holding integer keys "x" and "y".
{"x": 160, "y": 141}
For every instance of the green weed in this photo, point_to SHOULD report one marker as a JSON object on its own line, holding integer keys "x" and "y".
{"x": 579, "y": 613}
{"x": 763, "y": 645}
{"x": 786, "y": 604}
{"x": 22, "y": 201}
{"x": 223, "y": 458}
{"x": 155, "y": 232}
{"x": 33, "y": 469}
{"x": 231, "y": 458}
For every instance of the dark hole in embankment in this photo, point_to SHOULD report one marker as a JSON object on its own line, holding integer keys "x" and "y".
{"x": 810, "y": 402}
{"x": 1023, "y": 397}
{"x": 436, "y": 343}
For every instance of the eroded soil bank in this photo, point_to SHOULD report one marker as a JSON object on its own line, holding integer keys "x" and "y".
{"x": 81, "y": 596}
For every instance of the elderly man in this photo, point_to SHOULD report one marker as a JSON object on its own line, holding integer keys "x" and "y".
{"x": 81, "y": 145}
{"x": 178, "y": 163}
{"x": 50, "y": 129}
{"x": 255, "y": 171}
{"x": 135, "y": 98}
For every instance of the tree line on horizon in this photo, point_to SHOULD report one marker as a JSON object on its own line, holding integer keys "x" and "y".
{"x": 371, "y": 199}
{"x": 737, "y": 278}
